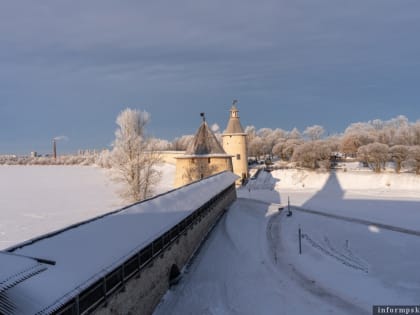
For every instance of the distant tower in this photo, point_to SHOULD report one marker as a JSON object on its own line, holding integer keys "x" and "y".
{"x": 204, "y": 157}
{"x": 235, "y": 144}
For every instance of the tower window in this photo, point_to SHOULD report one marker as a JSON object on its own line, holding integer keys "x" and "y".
{"x": 209, "y": 160}
{"x": 238, "y": 156}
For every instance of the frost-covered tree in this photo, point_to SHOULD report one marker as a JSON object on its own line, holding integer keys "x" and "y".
{"x": 104, "y": 159}
{"x": 278, "y": 148}
{"x": 255, "y": 147}
{"x": 351, "y": 142}
{"x": 162, "y": 144}
{"x": 334, "y": 142}
{"x": 314, "y": 132}
{"x": 414, "y": 156}
{"x": 251, "y": 132}
{"x": 270, "y": 138}
{"x": 181, "y": 143}
{"x": 398, "y": 153}
{"x": 415, "y": 133}
{"x": 289, "y": 148}
{"x": 294, "y": 134}
{"x": 134, "y": 157}
{"x": 375, "y": 154}
{"x": 313, "y": 154}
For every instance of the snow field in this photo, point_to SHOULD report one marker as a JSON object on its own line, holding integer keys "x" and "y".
{"x": 35, "y": 200}
{"x": 362, "y": 264}
{"x": 250, "y": 264}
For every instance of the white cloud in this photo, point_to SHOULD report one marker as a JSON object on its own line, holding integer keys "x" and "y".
{"x": 215, "y": 127}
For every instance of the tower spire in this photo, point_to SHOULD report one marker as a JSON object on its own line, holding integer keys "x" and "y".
{"x": 234, "y": 112}
{"x": 234, "y": 143}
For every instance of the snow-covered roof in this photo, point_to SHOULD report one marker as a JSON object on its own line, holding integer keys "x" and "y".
{"x": 204, "y": 142}
{"x": 15, "y": 269}
{"x": 86, "y": 252}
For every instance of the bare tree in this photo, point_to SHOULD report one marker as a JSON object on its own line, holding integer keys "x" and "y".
{"x": 290, "y": 147}
{"x": 278, "y": 148}
{"x": 415, "y": 133}
{"x": 414, "y": 155}
{"x": 305, "y": 155}
{"x": 251, "y": 132}
{"x": 375, "y": 154}
{"x": 181, "y": 143}
{"x": 313, "y": 154}
{"x": 314, "y": 132}
{"x": 294, "y": 134}
{"x": 133, "y": 158}
{"x": 255, "y": 147}
{"x": 398, "y": 153}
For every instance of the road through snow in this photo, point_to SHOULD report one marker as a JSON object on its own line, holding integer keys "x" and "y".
{"x": 236, "y": 273}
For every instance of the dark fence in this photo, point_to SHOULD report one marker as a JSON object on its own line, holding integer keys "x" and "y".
{"x": 98, "y": 292}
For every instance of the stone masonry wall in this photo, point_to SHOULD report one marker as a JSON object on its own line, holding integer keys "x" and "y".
{"x": 142, "y": 293}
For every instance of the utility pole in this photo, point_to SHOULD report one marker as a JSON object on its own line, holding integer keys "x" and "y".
{"x": 300, "y": 241}
{"x": 289, "y": 212}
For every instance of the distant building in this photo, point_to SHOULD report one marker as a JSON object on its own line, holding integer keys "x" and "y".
{"x": 204, "y": 157}
{"x": 34, "y": 154}
{"x": 235, "y": 144}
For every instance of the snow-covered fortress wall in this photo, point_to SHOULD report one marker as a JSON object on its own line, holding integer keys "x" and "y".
{"x": 142, "y": 293}
{"x": 118, "y": 263}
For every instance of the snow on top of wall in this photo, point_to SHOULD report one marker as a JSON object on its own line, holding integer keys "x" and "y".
{"x": 86, "y": 252}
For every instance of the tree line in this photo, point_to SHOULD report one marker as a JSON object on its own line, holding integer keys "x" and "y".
{"x": 373, "y": 143}
{"x": 135, "y": 155}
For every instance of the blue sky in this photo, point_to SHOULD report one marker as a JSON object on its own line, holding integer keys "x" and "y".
{"x": 69, "y": 67}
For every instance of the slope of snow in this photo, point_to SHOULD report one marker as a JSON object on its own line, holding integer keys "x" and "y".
{"x": 392, "y": 199}
{"x": 364, "y": 265}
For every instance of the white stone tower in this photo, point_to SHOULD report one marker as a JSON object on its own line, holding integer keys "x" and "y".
{"x": 235, "y": 144}
{"x": 204, "y": 157}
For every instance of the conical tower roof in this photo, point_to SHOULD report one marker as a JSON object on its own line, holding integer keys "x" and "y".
{"x": 234, "y": 124}
{"x": 205, "y": 142}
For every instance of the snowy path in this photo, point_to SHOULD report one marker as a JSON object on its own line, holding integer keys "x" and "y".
{"x": 236, "y": 272}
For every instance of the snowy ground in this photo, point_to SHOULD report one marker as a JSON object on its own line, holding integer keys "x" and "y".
{"x": 35, "y": 200}
{"x": 251, "y": 263}
{"x": 104, "y": 244}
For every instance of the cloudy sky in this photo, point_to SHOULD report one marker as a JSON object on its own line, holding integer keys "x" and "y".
{"x": 69, "y": 67}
